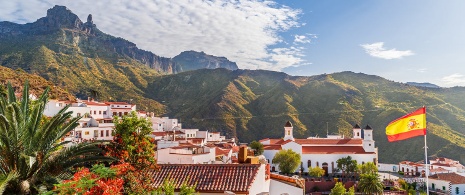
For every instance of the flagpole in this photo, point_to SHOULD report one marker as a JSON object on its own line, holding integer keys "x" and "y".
{"x": 426, "y": 161}
{"x": 427, "y": 167}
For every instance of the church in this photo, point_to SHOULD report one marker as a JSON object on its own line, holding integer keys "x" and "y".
{"x": 324, "y": 152}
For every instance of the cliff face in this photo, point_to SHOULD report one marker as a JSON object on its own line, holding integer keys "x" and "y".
{"x": 192, "y": 60}
{"x": 72, "y": 35}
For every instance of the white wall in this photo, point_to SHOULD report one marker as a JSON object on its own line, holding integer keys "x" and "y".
{"x": 382, "y": 167}
{"x": 278, "y": 187}
{"x": 166, "y": 144}
{"x": 461, "y": 189}
{"x": 166, "y": 156}
{"x": 259, "y": 183}
{"x": 438, "y": 184}
{"x": 328, "y": 158}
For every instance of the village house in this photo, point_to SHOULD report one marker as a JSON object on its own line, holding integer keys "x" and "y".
{"x": 324, "y": 152}
{"x": 448, "y": 183}
{"x": 436, "y": 166}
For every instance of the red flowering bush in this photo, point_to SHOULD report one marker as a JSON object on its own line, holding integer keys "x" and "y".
{"x": 98, "y": 180}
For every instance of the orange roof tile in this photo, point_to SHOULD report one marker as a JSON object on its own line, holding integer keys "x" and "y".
{"x": 159, "y": 133}
{"x": 334, "y": 150}
{"x": 221, "y": 152}
{"x": 272, "y": 147}
{"x": 209, "y": 177}
{"x": 329, "y": 141}
{"x": 454, "y": 178}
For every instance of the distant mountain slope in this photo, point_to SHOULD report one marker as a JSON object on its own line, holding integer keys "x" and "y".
{"x": 37, "y": 84}
{"x": 429, "y": 85}
{"x": 76, "y": 55}
{"x": 255, "y": 104}
{"x": 192, "y": 60}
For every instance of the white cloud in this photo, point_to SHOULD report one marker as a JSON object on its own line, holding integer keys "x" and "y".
{"x": 301, "y": 39}
{"x": 243, "y": 31}
{"x": 377, "y": 50}
{"x": 454, "y": 79}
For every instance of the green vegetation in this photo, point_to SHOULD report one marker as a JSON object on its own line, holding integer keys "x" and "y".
{"x": 288, "y": 161}
{"x": 316, "y": 171}
{"x": 347, "y": 165}
{"x": 339, "y": 189}
{"x": 31, "y": 148}
{"x": 370, "y": 184}
{"x": 367, "y": 168}
{"x": 257, "y": 148}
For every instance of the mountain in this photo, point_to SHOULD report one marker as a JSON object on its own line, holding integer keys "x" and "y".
{"x": 60, "y": 50}
{"x": 192, "y": 60}
{"x": 37, "y": 84}
{"x": 78, "y": 56}
{"x": 429, "y": 85}
{"x": 255, "y": 104}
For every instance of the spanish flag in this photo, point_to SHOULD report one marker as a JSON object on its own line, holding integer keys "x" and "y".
{"x": 408, "y": 126}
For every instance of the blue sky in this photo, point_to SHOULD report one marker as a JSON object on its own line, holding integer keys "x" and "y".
{"x": 420, "y": 41}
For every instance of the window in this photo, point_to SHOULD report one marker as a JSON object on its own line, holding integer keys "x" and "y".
{"x": 309, "y": 163}
{"x": 288, "y": 132}
{"x": 210, "y": 135}
{"x": 369, "y": 144}
{"x": 86, "y": 133}
{"x": 443, "y": 187}
{"x": 95, "y": 111}
{"x": 457, "y": 190}
{"x": 358, "y": 134}
{"x": 99, "y": 112}
{"x": 101, "y": 133}
{"x": 78, "y": 114}
{"x": 104, "y": 112}
{"x": 60, "y": 104}
{"x": 108, "y": 133}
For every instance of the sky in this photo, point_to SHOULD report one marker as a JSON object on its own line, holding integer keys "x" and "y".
{"x": 403, "y": 41}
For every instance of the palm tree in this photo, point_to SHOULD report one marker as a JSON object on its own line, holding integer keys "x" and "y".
{"x": 370, "y": 184}
{"x": 31, "y": 146}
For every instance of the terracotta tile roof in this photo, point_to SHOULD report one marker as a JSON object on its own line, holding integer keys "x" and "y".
{"x": 209, "y": 177}
{"x": 90, "y": 103}
{"x": 329, "y": 141}
{"x": 262, "y": 140}
{"x": 286, "y": 179}
{"x": 119, "y": 103}
{"x": 454, "y": 178}
{"x": 282, "y": 142}
{"x": 272, "y": 147}
{"x": 195, "y": 140}
{"x": 221, "y": 152}
{"x": 334, "y": 150}
{"x": 235, "y": 149}
{"x": 439, "y": 169}
{"x": 159, "y": 133}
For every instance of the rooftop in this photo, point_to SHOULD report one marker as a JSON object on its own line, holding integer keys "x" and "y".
{"x": 209, "y": 177}
{"x": 454, "y": 178}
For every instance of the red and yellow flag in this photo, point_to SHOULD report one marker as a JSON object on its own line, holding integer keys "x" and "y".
{"x": 408, "y": 126}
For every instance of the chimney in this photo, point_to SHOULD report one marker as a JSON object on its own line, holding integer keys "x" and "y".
{"x": 242, "y": 154}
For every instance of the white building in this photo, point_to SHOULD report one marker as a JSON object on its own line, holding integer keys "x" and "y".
{"x": 96, "y": 121}
{"x": 186, "y": 154}
{"x": 448, "y": 183}
{"x": 324, "y": 152}
{"x": 165, "y": 124}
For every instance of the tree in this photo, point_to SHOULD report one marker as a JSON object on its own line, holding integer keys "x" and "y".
{"x": 316, "y": 171}
{"x": 31, "y": 145}
{"x": 347, "y": 165}
{"x": 132, "y": 145}
{"x": 257, "y": 147}
{"x": 339, "y": 189}
{"x": 367, "y": 168}
{"x": 288, "y": 160}
{"x": 370, "y": 184}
